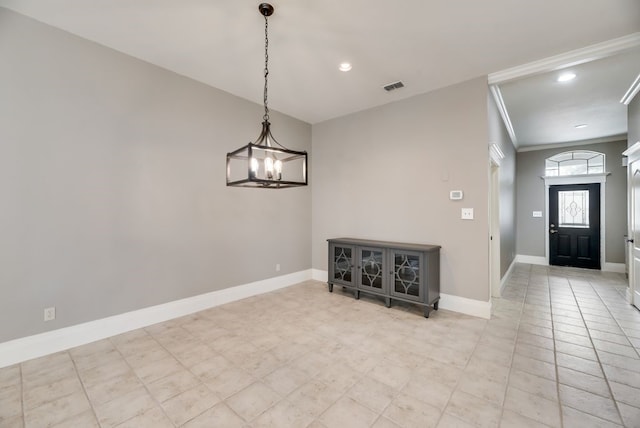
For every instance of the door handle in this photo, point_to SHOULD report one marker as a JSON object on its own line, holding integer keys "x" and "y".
{"x": 552, "y": 231}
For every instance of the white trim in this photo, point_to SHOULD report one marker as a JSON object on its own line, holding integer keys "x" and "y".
{"x": 579, "y": 179}
{"x": 449, "y": 302}
{"x": 502, "y": 109}
{"x": 507, "y": 274}
{"x": 26, "y": 348}
{"x": 633, "y": 152}
{"x": 567, "y": 59}
{"x": 496, "y": 154}
{"x": 631, "y": 92}
{"x": 531, "y": 260}
{"x": 319, "y": 275}
{"x": 475, "y": 308}
{"x": 494, "y": 220}
{"x": 575, "y": 179}
{"x": 610, "y": 139}
{"x": 613, "y": 267}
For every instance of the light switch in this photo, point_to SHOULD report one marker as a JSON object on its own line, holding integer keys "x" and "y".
{"x": 456, "y": 195}
{"x": 537, "y": 213}
{"x": 467, "y": 214}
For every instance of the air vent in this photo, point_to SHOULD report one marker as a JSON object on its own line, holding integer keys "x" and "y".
{"x": 392, "y": 86}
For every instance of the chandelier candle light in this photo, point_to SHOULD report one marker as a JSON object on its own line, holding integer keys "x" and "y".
{"x": 266, "y": 163}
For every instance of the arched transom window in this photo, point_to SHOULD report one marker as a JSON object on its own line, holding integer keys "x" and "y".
{"x": 578, "y": 162}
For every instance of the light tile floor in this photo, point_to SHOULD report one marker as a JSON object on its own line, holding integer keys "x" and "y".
{"x": 561, "y": 350}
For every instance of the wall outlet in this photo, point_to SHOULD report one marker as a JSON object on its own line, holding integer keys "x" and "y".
{"x": 466, "y": 214}
{"x": 50, "y": 313}
{"x": 278, "y": 267}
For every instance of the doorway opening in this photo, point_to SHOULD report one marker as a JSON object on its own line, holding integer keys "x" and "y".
{"x": 575, "y": 214}
{"x": 574, "y": 225}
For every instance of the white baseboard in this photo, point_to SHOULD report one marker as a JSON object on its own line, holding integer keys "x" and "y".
{"x": 476, "y": 308}
{"x": 505, "y": 278}
{"x": 449, "y": 302}
{"x": 319, "y": 275}
{"x": 26, "y": 348}
{"x": 614, "y": 267}
{"x": 532, "y": 260}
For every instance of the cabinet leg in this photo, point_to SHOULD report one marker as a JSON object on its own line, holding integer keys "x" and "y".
{"x": 427, "y": 309}
{"x": 435, "y": 305}
{"x": 387, "y": 302}
{"x": 357, "y": 294}
{"x": 330, "y": 288}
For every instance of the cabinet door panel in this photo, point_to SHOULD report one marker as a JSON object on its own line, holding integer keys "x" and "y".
{"x": 371, "y": 269}
{"x": 341, "y": 268}
{"x": 407, "y": 281}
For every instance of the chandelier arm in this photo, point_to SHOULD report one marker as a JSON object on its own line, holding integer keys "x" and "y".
{"x": 273, "y": 139}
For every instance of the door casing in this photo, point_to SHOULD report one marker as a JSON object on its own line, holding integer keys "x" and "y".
{"x": 577, "y": 179}
{"x": 495, "y": 281}
{"x": 592, "y": 260}
{"x": 633, "y": 158}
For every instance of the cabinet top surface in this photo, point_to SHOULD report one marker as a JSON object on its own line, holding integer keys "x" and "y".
{"x": 385, "y": 244}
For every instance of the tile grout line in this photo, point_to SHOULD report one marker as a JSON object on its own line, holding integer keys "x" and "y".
{"x": 455, "y": 388}
{"x": 522, "y": 307}
{"x": 616, "y": 320}
{"x": 84, "y": 389}
{"x": 200, "y": 381}
{"x": 141, "y": 381}
{"x": 23, "y": 389}
{"x": 24, "y": 415}
{"x": 606, "y": 378}
{"x": 555, "y": 350}
{"x": 159, "y": 403}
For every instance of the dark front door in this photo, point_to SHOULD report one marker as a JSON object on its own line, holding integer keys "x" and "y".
{"x": 574, "y": 225}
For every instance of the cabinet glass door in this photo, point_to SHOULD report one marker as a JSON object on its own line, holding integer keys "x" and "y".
{"x": 371, "y": 269}
{"x": 341, "y": 269}
{"x": 406, "y": 280}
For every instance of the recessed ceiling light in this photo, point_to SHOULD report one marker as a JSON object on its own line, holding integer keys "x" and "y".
{"x": 345, "y": 66}
{"x": 565, "y": 77}
{"x": 582, "y": 125}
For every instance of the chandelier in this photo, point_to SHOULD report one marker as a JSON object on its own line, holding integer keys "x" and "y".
{"x": 266, "y": 164}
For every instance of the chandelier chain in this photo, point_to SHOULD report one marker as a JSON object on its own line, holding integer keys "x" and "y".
{"x": 266, "y": 66}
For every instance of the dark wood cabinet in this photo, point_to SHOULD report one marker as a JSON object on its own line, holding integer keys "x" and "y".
{"x": 393, "y": 270}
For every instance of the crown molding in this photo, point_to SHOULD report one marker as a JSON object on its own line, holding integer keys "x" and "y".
{"x": 497, "y": 96}
{"x": 631, "y": 92}
{"x": 610, "y": 139}
{"x": 496, "y": 154}
{"x": 633, "y": 152}
{"x": 567, "y": 59}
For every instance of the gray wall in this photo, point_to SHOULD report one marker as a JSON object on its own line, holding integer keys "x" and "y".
{"x": 386, "y": 173}
{"x": 112, "y": 184}
{"x": 498, "y": 134}
{"x": 531, "y": 197}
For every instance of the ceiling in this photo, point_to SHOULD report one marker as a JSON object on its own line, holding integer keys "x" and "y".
{"x": 428, "y": 44}
{"x": 544, "y": 111}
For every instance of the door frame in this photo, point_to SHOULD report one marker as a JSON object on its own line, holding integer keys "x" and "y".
{"x": 593, "y": 229}
{"x": 577, "y": 179}
{"x": 633, "y": 155}
{"x": 495, "y": 278}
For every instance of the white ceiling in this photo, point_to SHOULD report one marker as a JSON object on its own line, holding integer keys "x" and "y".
{"x": 544, "y": 111}
{"x": 427, "y": 44}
